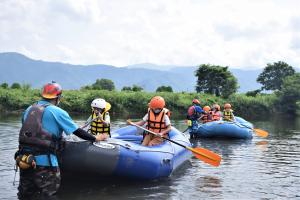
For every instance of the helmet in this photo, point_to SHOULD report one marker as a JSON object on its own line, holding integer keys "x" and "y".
{"x": 51, "y": 90}
{"x": 227, "y": 105}
{"x": 206, "y": 108}
{"x": 196, "y": 101}
{"x": 98, "y": 103}
{"x": 217, "y": 107}
{"x": 157, "y": 102}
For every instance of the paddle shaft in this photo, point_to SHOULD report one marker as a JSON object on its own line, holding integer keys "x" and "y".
{"x": 158, "y": 135}
{"x": 200, "y": 153}
{"x": 89, "y": 122}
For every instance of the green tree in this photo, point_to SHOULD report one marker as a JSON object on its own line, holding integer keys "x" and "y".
{"x": 273, "y": 74}
{"x": 216, "y": 80}
{"x": 126, "y": 88}
{"x": 15, "y": 86}
{"x": 4, "y": 85}
{"x": 164, "y": 89}
{"x": 253, "y": 93}
{"x": 289, "y": 96}
{"x": 136, "y": 88}
{"x": 26, "y": 86}
{"x": 103, "y": 84}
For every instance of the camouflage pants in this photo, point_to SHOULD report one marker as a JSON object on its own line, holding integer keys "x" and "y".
{"x": 39, "y": 183}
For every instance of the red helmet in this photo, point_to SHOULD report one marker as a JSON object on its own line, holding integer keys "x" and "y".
{"x": 196, "y": 101}
{"x": 157, "y": 102}
{"x": 51, "y": 90}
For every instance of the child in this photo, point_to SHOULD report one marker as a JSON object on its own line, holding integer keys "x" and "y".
{"x": 228, "y": 113}
{"x": 156, "y": 120}
{"x": 216, "y": 113}
{"x": 207, "y": 116}
{"x": 99, "y": 120}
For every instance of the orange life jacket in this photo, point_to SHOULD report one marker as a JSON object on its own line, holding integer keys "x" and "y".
{"x": 156, "y": 122}
{"x": 206, "y": 117}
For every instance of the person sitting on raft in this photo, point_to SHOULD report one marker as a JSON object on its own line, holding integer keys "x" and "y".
{"x": 99, "y": 120}
{"x": 157, "y": 120}
{"x": 228, "y": 113}
{"x": 207, "y": 116}
{"x": 216, "y": 112}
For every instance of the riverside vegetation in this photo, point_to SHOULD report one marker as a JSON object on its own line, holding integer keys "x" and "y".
{"x": 134, "y": 104}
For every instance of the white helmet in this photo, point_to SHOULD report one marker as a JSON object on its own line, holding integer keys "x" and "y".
{"x": 98, "y": 103}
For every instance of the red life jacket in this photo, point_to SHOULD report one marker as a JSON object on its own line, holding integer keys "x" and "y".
{"x": 216, "y": 115}
{"x": 191, "y": 111}
{"x": 206, "y": 117}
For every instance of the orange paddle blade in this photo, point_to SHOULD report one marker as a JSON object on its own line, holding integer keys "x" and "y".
{"x": 206, "y": 156}
{"x": 260, "y": 132}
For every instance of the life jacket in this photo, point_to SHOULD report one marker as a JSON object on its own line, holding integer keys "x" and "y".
{"x": 216, "y": 115}
{"x": 33, "y": 137}
{"x": 97, "y": 127}
{"x": 156, "y": 122}
{"x": 206, "y": 117}
{"x": 227, "y": 115}
{"x": 192, "y": 114}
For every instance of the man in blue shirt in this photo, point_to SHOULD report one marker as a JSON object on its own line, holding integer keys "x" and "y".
{"x": 39, "y": 142}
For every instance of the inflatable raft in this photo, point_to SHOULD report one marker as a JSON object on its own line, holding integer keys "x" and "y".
{"x": 124, "y": 156}
{"x": 240, "y": 129}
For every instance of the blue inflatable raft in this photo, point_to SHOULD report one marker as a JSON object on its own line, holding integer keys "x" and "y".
{"x": 124, "y": 156}
{"x": 240, "y": 129}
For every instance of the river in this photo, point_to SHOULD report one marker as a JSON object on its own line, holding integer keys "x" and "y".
{"x": 261, "y": 168}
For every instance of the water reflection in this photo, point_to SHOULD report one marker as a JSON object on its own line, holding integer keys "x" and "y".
{"x": 261, "y": 168}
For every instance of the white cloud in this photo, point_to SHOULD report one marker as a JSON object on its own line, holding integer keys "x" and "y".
{"x": 237, "y": 33}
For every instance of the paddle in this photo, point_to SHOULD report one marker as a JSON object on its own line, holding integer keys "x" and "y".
{"x": 258, "y": 132}
{"x": 107, "y": 108}
{"x": 200, "y": 153}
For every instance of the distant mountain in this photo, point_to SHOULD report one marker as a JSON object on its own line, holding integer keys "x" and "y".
{"x": 16, "y": 67}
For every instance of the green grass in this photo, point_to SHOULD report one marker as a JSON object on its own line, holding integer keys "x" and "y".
{"x": 135, "y": 104}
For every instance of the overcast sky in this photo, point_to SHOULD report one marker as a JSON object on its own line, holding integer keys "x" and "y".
{"x": 240, "y": 33}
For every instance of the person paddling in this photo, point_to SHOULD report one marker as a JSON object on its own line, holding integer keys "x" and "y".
{"x": 156, "y": 120}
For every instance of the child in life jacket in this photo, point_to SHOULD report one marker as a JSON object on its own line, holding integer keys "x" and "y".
{"x": 99, "y": 121}
{"x": 228, "y": 113}
{"x": 157, "y": 120}
{"x": 216, "y": 113}
{"x": 207, "y": 116}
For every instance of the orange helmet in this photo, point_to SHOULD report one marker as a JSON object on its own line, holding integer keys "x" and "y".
{"x": 217, "y": 107}
{"x": 227, "y": 105}
{"x": 206, "y": 108}
{"x": 196, "y": 101}
{"x": 51, "y": 90}
{"x": 157, "y": 102}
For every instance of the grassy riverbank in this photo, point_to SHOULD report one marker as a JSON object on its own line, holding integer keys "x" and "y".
{"x": 134, "y": 104}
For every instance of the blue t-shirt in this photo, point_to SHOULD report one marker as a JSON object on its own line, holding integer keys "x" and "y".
{"x": 198, "y": 109}
{"x": 55, "y": 120}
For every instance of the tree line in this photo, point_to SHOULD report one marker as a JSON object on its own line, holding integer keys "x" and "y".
{"x": 278, "y": 77}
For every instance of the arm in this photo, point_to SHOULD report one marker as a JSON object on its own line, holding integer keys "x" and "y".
{"x": 86, "y": 136}
{"x": 165, "y": 131}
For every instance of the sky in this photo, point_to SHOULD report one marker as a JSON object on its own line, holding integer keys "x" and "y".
{"x": 236, "y": 33}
